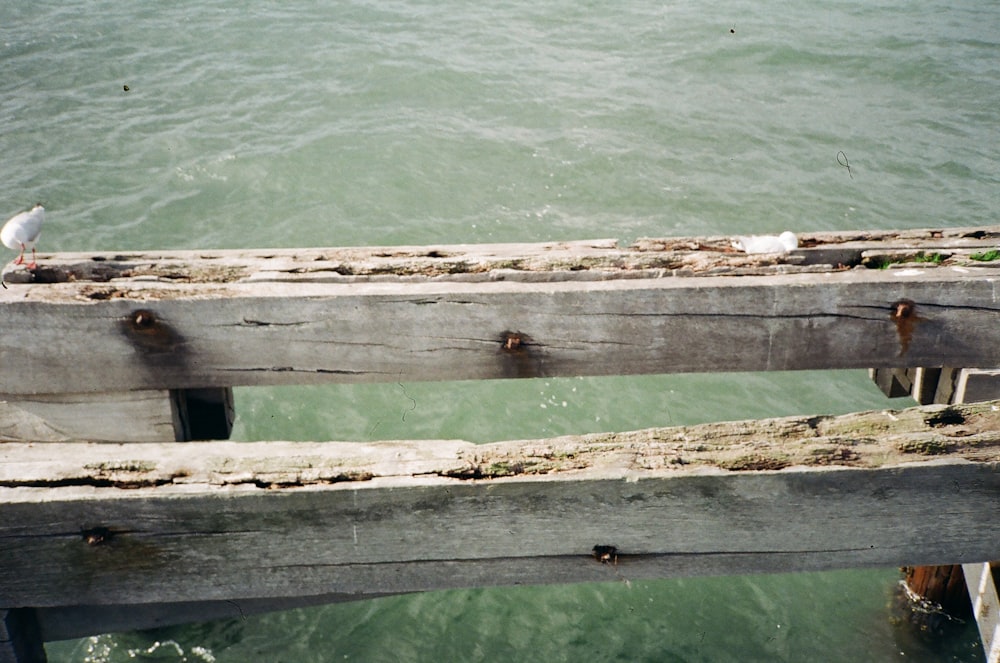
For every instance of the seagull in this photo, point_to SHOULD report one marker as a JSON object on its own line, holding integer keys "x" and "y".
{"x": 22, "y": 231}
{"x": 783, "y": 243}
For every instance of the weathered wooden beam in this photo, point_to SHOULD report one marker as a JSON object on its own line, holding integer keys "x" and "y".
{"x": 893, "y": 382}
{"x": 137, "y": 416}
{"x": 93, "y": 524}
{"x": 133, "y": 416}
{"x": 220, "y": 319}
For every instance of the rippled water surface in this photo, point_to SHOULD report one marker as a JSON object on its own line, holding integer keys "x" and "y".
{"x": 409, "y": 121}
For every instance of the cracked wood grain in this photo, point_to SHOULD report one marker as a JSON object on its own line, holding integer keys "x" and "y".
{"x": 173, "y": 320}
{"x": 370, "y": 332}
{"x": 89, "y": 524}
{"x": 969, "y": 432}
{"x": 586, "y": 259}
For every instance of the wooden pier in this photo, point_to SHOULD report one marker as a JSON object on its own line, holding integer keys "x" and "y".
{"x": 106, "y": 523}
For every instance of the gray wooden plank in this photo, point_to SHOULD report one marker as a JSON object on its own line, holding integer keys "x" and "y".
{"x": 946, "y": 385}
{"x": 682, "y": 255}
{"x": 180, "y": 336}
{"x": 118, "y": 416}
{"x": 121, "y": 524}
{"x": 977, "y": 384}
{"x": 137, "y": 416}
{"x": 202, "y": 319}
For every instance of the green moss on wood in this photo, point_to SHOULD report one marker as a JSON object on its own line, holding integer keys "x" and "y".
{"x": 755, "y": 462}
{"x": 122, "y": 466}
{"x": 986, "y": 256}
{"x": 931, "y": 446}
{"x": 935, "y": 258}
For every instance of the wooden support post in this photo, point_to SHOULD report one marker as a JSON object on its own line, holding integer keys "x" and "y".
{"x": 935, "y": 596}
{"x": 945, "y": 391}
{"x": 944, "y": 585}
{"x": 976, "y": 384}
{"x": 985, "y": 606}
{"x": 925, "y": 385}
{"x": 894, "y": 382}
{"x": 20, "y": 638}
{"x": 934, "y": 599}
{"x": 203, "y": 414}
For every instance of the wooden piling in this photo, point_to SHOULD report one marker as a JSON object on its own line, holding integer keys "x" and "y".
{"x": 934, "y": 599}
{"x": 20, "y": 637}
{"x": 943, "y": 585}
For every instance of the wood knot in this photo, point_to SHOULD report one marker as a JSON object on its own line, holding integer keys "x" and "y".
{"x": 149, "y": 333}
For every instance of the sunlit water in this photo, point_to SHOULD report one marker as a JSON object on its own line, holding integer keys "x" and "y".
{"x": 370, "y": 123}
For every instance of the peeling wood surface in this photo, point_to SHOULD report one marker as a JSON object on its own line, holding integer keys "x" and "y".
{"x": 119, "y": 524}
{"x": 861, "y": 440}
{"x": 583, "y": 259}
{"x": 220, "y": 319}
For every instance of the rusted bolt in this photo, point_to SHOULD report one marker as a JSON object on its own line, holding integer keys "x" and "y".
{"x": 605, "y": 554}
{"x": 511, "y": 341}
{"x": 903, "y": 309}
{"x": 151, "y": 334}
{"x": 143, "y": 319}
{"x": 904, "y": 314}
{"x": 97, "y": 536}
{"x": 519, "y": 355}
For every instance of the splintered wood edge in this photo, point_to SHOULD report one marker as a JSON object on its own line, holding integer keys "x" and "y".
{"x": 876, "y": 439}
{"x": 575, "y": 260}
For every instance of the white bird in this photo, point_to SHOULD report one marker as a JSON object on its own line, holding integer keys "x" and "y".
{"x": 22, "y": 231}
{"x": 782, "y": 243}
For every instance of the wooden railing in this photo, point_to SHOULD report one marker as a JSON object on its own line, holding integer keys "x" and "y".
{"x": 143, "y": 349}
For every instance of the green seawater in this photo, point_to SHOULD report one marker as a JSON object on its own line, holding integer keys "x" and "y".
{"x": 350, "y": 123}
